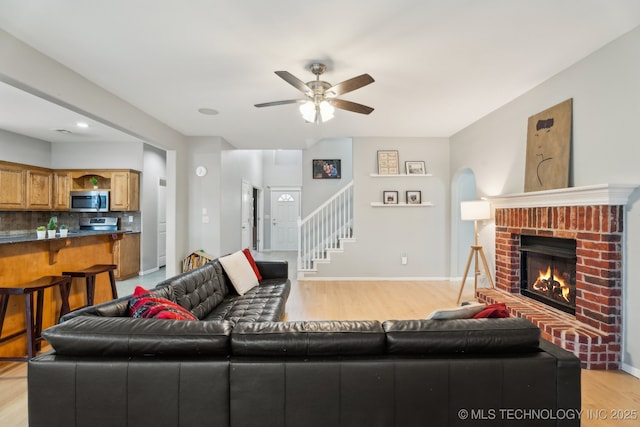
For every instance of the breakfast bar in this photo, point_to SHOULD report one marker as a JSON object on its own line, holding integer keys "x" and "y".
{"x": 25, "y": 259}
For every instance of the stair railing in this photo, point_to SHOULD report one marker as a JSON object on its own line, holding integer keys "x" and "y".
{"x": 324, "y": 228}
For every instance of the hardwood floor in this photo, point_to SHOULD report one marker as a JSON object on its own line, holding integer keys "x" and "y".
{"x": 605, "y": 394}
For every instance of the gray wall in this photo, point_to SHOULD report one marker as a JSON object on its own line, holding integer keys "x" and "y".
{"x": 154, "y": 168}
{"x": 384, "y": 234}
{"x": 606, "y": 106}
{"x": 317, "y": 191}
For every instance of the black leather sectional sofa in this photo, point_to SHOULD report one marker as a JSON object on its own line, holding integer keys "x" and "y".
{"x": 231, "y": 370}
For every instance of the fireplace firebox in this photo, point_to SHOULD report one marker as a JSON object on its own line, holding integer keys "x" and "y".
{"x": 549, "y": 271}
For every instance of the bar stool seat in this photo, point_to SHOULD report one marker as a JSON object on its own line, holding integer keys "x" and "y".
{"x": 33, "y": 326}
{"x": 89, "y": 274}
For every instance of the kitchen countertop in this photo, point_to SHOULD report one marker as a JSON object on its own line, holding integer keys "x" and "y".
{"x": 32, "y": 237}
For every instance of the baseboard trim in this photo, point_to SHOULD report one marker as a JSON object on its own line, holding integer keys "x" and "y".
{"x": 631, "y": 370}
{"x": 372, "y": 279}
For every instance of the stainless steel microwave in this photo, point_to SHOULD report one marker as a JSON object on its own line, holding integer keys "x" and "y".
{"x": 89, "y": 201}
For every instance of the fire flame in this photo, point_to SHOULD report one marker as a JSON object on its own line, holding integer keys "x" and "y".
{"x": 554, "y": 287}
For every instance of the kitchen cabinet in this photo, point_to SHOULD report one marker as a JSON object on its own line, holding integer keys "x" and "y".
{"x": 39, "y": 189}
{"x": 25, "y": 187}
{"x": 125, "y": 191}
{"x": 126, "y": 255}
{"x": 12, "y": 186}
{"x": 61, "y": 190}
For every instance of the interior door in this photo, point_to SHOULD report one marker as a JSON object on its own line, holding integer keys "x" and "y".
{"x": 247, "y": 215}
{"x": 285, "y": 211}
{"x": 162, "y": 222}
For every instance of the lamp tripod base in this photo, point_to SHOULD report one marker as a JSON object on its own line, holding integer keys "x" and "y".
{"x": 475, "y": 252}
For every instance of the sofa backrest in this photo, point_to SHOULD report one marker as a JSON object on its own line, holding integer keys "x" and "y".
{"x": 199, "y": 290}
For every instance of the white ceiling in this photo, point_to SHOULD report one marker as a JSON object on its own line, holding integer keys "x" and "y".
{"x": 439, "y": 65}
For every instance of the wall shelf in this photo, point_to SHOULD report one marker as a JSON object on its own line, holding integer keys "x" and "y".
{"x": 401, "y": 175}
{"x": 401, "y": 205}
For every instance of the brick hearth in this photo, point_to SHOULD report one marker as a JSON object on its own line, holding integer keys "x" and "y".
{"x": 594, "y": 333}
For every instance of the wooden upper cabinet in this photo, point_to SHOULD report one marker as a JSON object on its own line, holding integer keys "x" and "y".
{"x": 24, "y": 187}
{"x": 61, "y": 190}
{"x": 125, "y": 191}
{"x": 12, "y": 186}
{"x": 39, "y": 189}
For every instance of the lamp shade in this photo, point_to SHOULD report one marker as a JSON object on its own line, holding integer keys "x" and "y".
{"x": 475, "y": 210}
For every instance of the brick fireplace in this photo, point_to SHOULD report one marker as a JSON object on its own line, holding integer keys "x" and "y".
{"x": 594, "y": 217}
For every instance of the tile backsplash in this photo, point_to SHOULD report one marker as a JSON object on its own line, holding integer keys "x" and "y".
{"x": 20, "y": 222}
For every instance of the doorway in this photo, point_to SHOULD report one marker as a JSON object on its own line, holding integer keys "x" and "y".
{"x": 285, "y": 211}
{"x": 462, "y": 234}
{"x": 162, "y": 222}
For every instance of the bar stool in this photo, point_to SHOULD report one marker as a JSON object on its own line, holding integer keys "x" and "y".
{"x": 33, "y": 327}
{"x": 89, "y": 274}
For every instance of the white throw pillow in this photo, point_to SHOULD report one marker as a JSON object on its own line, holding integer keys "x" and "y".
{"x": 463, "y": 312}
{"x": 239, "y": 271}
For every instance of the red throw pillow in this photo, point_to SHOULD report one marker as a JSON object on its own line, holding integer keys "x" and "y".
{"x": 247, "y": 253}
{"x": 497, "y": 310}
{"x": 147, "y": 306}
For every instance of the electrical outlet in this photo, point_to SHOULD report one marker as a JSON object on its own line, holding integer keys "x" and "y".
{"x": 404, "y": 259}
{"x": 205, "y": 220}
{"x": 130, "y": 218}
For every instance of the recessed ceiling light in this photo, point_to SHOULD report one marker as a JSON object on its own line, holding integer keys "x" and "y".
{"x": 82, "y": 125}
{"x": 208, "y": 111}
{"x": 63, "y": 130}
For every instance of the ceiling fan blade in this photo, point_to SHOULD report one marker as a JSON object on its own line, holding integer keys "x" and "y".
{"x": 295, "y": 82}
{"x": 271, "y": 104}
{"x": 350, "y": 106}
{"x": 349, "y": 85}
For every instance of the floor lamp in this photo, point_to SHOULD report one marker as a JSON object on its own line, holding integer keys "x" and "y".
{"x": 475, "y": 211}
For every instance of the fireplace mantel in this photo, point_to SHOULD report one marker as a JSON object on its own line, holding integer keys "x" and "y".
{"x": 590, "y": 195}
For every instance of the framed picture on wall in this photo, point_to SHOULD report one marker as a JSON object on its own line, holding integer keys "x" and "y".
{"x": 415, "y": 168}
{"x": 388, "y": 163}
{"x": 414, "y": 197}
{"x": 390, "y": 197}
{"x": 327, "y": 169}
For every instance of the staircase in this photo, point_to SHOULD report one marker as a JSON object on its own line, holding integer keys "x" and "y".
{"x": 325, "y": 230}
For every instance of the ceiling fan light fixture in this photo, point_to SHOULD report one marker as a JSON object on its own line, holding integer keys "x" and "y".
{"x": 317, "y": 113}
{"x": 326, "y": 111}
{"x": 308, "y": 111}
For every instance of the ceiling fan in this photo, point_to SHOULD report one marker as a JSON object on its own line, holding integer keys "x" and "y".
{"x": 322, "y": 96}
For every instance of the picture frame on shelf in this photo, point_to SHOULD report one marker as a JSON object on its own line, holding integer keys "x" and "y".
{"x": 388, "y": 163}
{"x": 415, "y": 168}
{"x": 390, "y": 197}
{"x": 327, "y": 169}
{"x": 414, "y": 197}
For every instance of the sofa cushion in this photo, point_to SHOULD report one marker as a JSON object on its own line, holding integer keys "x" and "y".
{"x": 498, "y": 310}
{"x": 198, "y": 290}
{"x": 252, "y": 262}
{"x": 120, "y": 336}
{"x": 462, "y": 312}
{"x": 146, "y": 305}
{"x": 239, "y": 271}
{"x": 461, "y": 336}
{"x": 312, "y": 338}
{"x": 249, "y": 309}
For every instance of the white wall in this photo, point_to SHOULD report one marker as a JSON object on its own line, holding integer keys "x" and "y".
{"x": 114, "y": 155}
{"x": 237, "y": 166}
{"x": 383, "y": 234}
{"x": 606, "y": 106}
{"x": 23, "y": 149}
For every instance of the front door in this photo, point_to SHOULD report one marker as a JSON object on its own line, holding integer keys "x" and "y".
{"x": 285, "y": 211}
